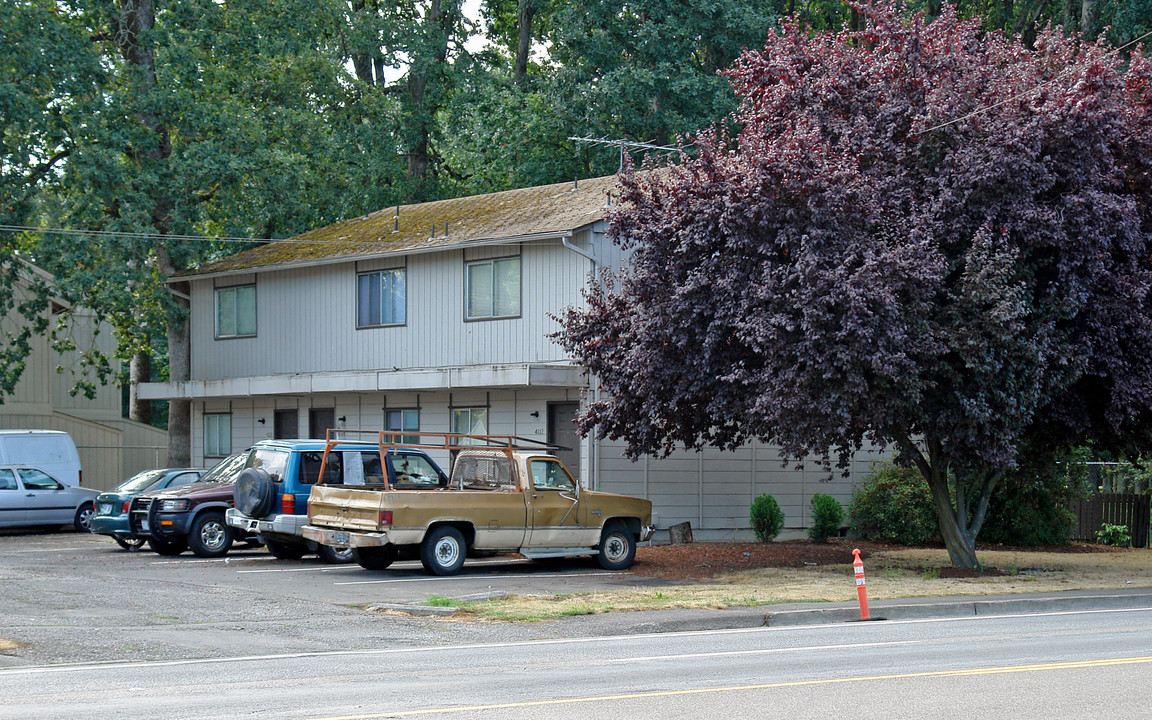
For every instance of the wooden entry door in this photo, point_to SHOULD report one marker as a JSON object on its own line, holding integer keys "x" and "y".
{"x": 562, "y": 432}
{"x": 320, "y": 420}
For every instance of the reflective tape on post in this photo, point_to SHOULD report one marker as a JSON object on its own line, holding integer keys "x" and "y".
{"x": 861, "y": 584}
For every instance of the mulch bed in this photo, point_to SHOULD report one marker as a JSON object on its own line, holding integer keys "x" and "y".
{"x": 705, "y": 560}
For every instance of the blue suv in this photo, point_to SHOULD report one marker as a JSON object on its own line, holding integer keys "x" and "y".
{"x": 272, "y": 491}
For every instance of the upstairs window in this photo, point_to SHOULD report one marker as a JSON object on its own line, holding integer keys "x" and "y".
{"x": 493, "y": 288}
{"x": 380, "y": 298}
{"x": 236, "y": 311}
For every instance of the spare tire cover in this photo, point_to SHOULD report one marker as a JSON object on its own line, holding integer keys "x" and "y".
{"x": 255, "y": 493}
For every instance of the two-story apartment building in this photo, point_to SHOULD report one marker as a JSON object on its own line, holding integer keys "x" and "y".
{"x": 436, "y": 317}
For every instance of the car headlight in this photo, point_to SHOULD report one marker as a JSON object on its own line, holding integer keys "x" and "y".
{"x": 174, "y": 505}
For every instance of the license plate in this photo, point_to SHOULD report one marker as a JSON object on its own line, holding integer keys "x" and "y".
{"x": 105, "y": 508}
{"x": 144, "y": 526}
{"x": 339, "y": 538}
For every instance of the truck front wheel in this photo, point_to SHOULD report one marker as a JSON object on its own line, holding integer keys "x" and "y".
{"x": 617, "y": 547}
{"x": 376, "y": 558}
{"x": 168, "y": 548}
{"x": 210, "y": 536}
{"x": 443, "y": 551}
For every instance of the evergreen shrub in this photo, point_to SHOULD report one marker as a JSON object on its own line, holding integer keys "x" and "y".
{"x": 767, "y": 518}
{"x": 827, "y": 517}
{"x": 895, "y": 504}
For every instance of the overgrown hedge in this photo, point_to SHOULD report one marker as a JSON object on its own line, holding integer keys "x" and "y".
{"x": 894, "y": 504}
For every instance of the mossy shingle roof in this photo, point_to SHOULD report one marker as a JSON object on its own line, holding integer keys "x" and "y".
{"x": 525, "y": 212}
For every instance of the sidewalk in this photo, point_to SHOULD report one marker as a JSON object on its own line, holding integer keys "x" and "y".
{"x": 662, "y": 621}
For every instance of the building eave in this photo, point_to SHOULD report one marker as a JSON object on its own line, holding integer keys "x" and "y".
{"x": 482, "y": 242}
{"x": 518, "y": 375}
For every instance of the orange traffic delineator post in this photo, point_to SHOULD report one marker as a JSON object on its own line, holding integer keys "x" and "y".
{"x": 861, "y": 585}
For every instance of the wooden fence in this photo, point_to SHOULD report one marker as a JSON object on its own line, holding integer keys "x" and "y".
{"x": 1129, "y": 509}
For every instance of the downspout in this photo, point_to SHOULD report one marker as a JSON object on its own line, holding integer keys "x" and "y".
{"x": 594, "y": 480}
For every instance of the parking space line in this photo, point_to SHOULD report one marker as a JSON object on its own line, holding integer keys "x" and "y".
{"x": 189, "y": 561}
{"x": 433, "y": 578}
{"x": 329, "y": 568}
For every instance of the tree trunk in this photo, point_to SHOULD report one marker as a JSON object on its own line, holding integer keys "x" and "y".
{"x": 136, "y": 21}
{"x": 1088, "y": 18}
{"x": 524, "y": 41}
{"x": 139, "y": 371}
{"x": 426, "y": 76}
{"x": 961, "y": 546}
{"x": 179, "y": 410}
{"x": 1069, "y": 15}
{"x": 953, "y": 504}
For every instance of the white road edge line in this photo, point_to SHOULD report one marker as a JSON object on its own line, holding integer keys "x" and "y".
{"x": 95, "y": 667}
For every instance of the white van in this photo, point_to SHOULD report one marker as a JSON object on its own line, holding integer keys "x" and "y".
{"x": 50, "y": 450}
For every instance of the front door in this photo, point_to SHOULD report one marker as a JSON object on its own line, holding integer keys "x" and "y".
{"x": 320, "y": 420}
{"x": 286, "y": 425}
{"x": 562, "y": 433}
{"x": 554, "y": 507}
{"x": 45, "y": 501}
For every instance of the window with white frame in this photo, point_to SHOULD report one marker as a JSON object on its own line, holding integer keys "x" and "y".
{"x": 407, "y": 419}
{"x": 236, "y": 311}
{"x": 217, "y": 434}
{"x": 493, "y": 288}
{"x": 380, "y": 298}
{"x": 470, "y": 421}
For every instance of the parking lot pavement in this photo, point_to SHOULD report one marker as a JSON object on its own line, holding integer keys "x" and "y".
{"x": 71, "y": 597}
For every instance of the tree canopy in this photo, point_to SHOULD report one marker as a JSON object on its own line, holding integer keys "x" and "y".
{"x": 149, "y": 127}
{"x": 923, "y": 236}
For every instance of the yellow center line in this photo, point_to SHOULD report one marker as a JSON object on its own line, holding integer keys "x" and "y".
{"x": 739, "y": 688}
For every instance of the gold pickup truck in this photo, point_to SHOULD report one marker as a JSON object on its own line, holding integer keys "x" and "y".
{"x": 500, "y": 497}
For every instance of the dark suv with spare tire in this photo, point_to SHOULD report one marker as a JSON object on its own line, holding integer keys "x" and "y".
{"x": 192, "y": 516}
{"x": 272, "y": 491}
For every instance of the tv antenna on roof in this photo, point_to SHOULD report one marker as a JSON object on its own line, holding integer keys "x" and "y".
{"x": 622, "y": 144}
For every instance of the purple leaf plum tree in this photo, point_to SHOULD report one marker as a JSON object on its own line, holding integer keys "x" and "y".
{"x": 922, "y": 236}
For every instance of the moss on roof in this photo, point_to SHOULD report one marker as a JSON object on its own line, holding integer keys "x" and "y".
{"x": 440, "y": 224}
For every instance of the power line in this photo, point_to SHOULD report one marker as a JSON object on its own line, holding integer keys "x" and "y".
{"x": 131, "y": 235}
{"x": 157, "y": 236}
{"x": 1028, "y": 92}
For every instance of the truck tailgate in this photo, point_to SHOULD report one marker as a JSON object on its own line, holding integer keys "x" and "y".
{"x": 344, "y": 507}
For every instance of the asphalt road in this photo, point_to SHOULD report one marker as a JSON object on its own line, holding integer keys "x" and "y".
{"x": 1064, "y": 665}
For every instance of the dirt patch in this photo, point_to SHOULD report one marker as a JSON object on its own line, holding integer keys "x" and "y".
{"x": 705, "y": 560}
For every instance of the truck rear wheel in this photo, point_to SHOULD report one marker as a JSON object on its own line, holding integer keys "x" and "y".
{"x": 284, "y": 550}
{"x": 334, "y": 555}
{"x": 377, "y": 558}
{"x": 617, "y": 547}
{"x": 443, "y": 551}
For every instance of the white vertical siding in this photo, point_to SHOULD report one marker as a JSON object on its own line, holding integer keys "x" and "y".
{"x": 306, "y": 319}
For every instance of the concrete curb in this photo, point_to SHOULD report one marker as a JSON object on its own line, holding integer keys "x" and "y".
{"x": 962, "y": 607}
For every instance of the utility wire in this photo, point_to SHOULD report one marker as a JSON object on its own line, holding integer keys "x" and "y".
{"x": 1028, "y": 92}
{"x": 157, "y": 236}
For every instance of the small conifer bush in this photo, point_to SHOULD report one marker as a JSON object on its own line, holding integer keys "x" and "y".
{"x": 767, "y": 517}
{"x": 827, "y": 517}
